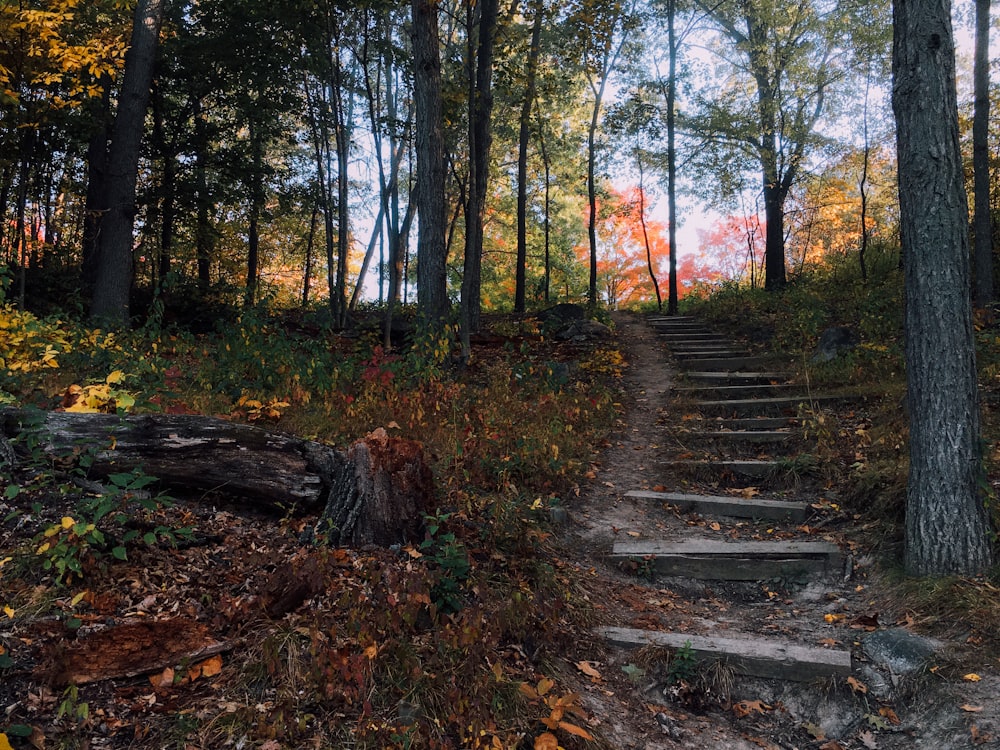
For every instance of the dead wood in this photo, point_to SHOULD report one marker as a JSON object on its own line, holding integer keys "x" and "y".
{"x": 375, "y": 493}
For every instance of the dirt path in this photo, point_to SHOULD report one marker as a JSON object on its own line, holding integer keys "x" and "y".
{"x": 637, "y": 704}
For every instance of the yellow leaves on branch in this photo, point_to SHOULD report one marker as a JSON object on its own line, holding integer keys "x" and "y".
{"x": 100, "y": 398}
{"x": 26, "y": 343}
{"x": 254, "y": 409}
{"x": 55, "y": 53}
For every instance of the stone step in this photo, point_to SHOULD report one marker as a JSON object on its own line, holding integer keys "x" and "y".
{"x": 707, "y": 350}
{"x": 748, "y": 655}
{"x": 749, "y": 423}
{"x": 660, "y": 319}
{"x": 733, "y": 507}
{"x": 764, "y": 406}
{"x": 742, "y": 437}
{"x": 726, "y": 364}
{"x": 721, "y": 353}
{"x": 735, "y": 378}
{"x": 745, "y": 469}
{"x": 681, "y": 337}
{"x": 736, "y": 391}
{"x": 706, "y": 559}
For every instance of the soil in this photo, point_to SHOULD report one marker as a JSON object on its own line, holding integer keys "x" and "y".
{"x": 640, "y": 702}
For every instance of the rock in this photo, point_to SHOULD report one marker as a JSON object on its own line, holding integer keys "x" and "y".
{"x": 583, "y": 330}
{"x": 894, "y": 654}
{"x": 833, "y": 341}
{"x": 561, "y": 314}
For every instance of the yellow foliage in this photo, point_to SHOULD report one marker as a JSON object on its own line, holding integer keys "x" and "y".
{"x": 99, "y": 398}
{"x": 605, "y": 362}
{"x": 57, "y": 52}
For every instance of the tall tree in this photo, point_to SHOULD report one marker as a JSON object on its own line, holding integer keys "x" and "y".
{"x": 432, "y": 278}
{"x": 604, "y": 27}
{"x": 982, "y": 224}
{"x": 480, "y": 137}
{"x": 524, "y": 135}
{"x": 114, "y": 268}
{"x": 946, "y": 519}
{"x": 785, "y": 47}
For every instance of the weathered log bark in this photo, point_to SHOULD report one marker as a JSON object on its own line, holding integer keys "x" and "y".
{"x": 376, "y": 493}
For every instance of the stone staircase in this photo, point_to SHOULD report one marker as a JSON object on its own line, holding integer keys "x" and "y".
{"x": 736, "y": 423}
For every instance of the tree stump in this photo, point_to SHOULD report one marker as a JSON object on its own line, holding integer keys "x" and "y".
{"x": 376, "y": 493}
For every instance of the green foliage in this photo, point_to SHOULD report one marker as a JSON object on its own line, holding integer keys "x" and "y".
{"x": 71, "y": 548}
{"x": 451, "y": 559}
{"x": 683, "y": 665}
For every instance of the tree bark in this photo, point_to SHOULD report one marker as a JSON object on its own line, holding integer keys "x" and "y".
{"x": 946, "y": 519}
{"x": 376, "y": 492}
{"x": 432, "y": 278}
{"x": 114, "y": 269}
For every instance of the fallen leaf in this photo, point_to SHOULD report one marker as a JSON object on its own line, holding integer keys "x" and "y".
{"x": 634, "y": 673}
{"x": 828, "y": 642}
{"x": 866, "y": 622}
{"x": 831, "y": 745}
{"x": 968, "y": 707}
{"x": 889, "y": 714}
{"x": 575, "y": 730}
{"x": 659, "y": 488}
{"x": 833, "y": 617}
{"x": 979, "y": 738}
{"x": 545, "y": 685}
{"x": 815, "y": 730}
{"x": 211, "y": 667}
{"x": 588, "y": 669}
{"x": 546, "y": 741}
{"x": 634, "y": 533}
{"x": 162, "y": 679}
{"x": 745, "y": 708}
{"x": 868, "y": 740}
{"x": 857, "y": 685}
{"x": 971, "y": 677}
{"x": 4, "y": 742}
{"x": 714, "y": 526}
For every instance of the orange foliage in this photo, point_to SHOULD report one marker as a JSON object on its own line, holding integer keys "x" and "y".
{"x": 622, "y": 266}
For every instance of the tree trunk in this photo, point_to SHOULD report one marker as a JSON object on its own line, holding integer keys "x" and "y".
{"x": 983, "y": 226}
{"x": 946, "y": 519}
{"x": 480, "y": 137}
{"x": 203, "y": 230}
{"x": 672, "y": 292}
{"x": 645, "y": 238}
{"x": 432, "y": 272}
{"x": 255, "y": 209}
{"x": 520, "y": 269}
{"x": 342, "y": 141}
{"x": 96, "y": 200}
{"x": 114, "y": 270}
{"x": 375, "y": 493}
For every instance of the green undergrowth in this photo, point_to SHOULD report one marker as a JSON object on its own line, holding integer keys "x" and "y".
{"x": 440, "y": 644}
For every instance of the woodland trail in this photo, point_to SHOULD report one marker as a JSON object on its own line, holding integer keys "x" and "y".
{"x": 785, "y": 640}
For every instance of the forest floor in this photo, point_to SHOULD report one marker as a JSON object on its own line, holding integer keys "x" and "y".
{"x": 951, "y": 703}
{"x": 359, "y": 656}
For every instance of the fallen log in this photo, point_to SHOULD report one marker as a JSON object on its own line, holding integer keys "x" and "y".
{"x": 375, "y": 493}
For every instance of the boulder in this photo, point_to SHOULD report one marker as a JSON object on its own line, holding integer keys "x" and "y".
{"x": 833, "y": 341}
